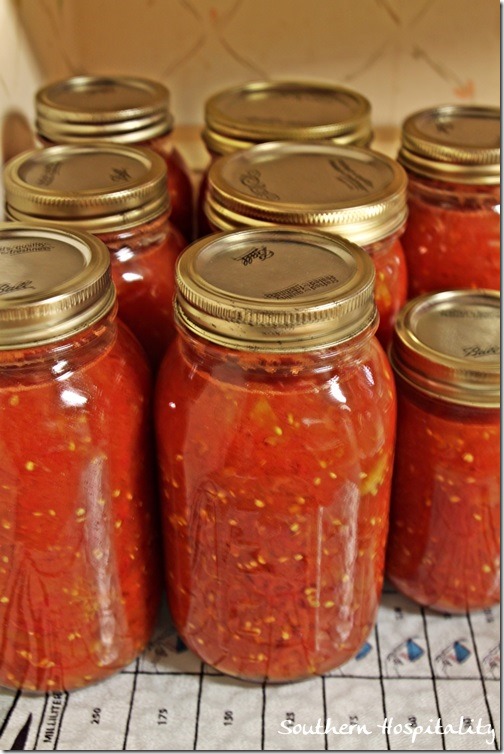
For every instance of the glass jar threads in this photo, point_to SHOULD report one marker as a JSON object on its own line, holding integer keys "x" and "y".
{"x": 350, "y": 191}
{"x": 119, "y": 194}
{"x": 452, "y": 238}
{"x": 275, "y": 417}
{"x": 125, "y": 110}
{"x": 444, "y": 541}
{"x": 79, "y": 560}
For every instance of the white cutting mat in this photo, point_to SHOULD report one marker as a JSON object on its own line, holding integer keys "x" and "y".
{"x": 422, "y": 681}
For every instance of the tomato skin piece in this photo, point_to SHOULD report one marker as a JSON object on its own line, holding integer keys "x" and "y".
{"x": 79, "y": 550}
{"x": 452, "y": 236}
{"x": 444, "y": 540}
{"x": 275, "y": 480}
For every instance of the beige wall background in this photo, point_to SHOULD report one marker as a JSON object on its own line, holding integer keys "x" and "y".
{"x": 402, "y": 54}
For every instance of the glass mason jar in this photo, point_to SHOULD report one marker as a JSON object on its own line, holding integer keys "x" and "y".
{"x": 452, "y": 237}
{"x": 444, "y": 541}
{"x": 122, "y": 109}
{"x": 350, "y": 191}
{"x": 79, "y": 558}
{"x": 119, "y": 194}
{"x": 241, "y": 117}
{"x": 275, "y": 416}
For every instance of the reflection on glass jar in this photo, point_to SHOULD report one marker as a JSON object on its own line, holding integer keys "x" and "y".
{"x": 275, "y": 416}
{"x": 79, "y": 551}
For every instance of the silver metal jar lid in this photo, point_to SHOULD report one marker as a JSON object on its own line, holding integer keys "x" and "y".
{"x": 277, "y": 290}
{"x": 350, "y": 191}
{"x": 458, "y": 143}
{"x": 124, "y": 109}
{"x": 53, "y": 283}
{"x": 91, "y": 187}
{"x": 239, "y": 117}
{"x": 447, "y": 344}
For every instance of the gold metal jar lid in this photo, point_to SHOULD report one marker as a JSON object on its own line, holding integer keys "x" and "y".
{"x": 278, "y": 290}
{"x": 53, "y": 284}
{"x": 122, "y": 109}
{"x": 92, "y": 187}
{"x": 447, "y": 344}
{"x": 239, "y": 117}
{"x": 453, "y": 143}
{"x": 351, "y": 191}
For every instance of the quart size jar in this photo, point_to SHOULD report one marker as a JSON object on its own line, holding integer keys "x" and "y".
{"x": 122, "y": 109}
{"x": 452, "y": 237}
{"x": 444, "y": 542}
{"x": 119, "y": 194}
{"x": 275, "y": 415}
{"x": 350, "y": 191}
{"x": 243, "y": 116}
{"x": 79, "y": 559}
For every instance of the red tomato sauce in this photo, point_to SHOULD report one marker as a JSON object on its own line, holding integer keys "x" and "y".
{"x": 452, "y": 237}
{"x": 391, "y": 284}
{"x": 444, "y": 540}
{"x": 180, "y": 186}
{"x": 275, "y": 472}
{"x": 143, "y": 270}
{"x": 79, "y": 583}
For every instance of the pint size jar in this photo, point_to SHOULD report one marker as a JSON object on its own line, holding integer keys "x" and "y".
{"x": 241, "y": 117}
{"x": 452, "y": 237}
{"x": 444, "y": 542}
{"x": 125, "y": 110}
{"x": 119, "y": 194}
{"x": 79, "y": 560}
{"x": 350, "y": 191}
{"x": 275, "y": 416}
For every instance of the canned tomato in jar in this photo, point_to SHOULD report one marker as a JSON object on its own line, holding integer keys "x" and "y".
{"x": 79, "y": 549}
{"x": 350, "y": 191}
{"x": 119, "y": 194}
{"x": 452, "y": 237}
{"x": 275, "y": 421}
{"x": 127, "y": 110}
{"x": 444, "y": 542}
{"x": 242, "y": 116}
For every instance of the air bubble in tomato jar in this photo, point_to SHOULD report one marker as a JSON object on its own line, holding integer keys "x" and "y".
{"x": 444, "y": 543}
{"x": 275, "y": 419}
{"x": 452, "y": 237}
{"x": 79, "y": 549}
{"x": 346, "y": 190}
{"x": 240, "y": 117}
{"x": 119, "y": 194}
{"x": 127, "y": 110}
